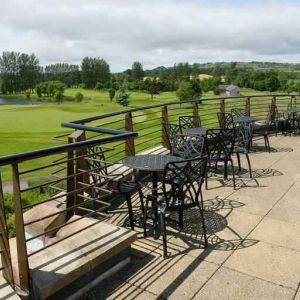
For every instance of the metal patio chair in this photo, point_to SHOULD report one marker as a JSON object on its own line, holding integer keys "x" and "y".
{"x": 181, "y": 190}
{"x": 220, "y": 145}
{"x": 189, "y": 122}
{"x": 116, "y": 183}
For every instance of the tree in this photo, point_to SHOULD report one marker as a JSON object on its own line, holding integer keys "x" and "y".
{"x": 111, "y": 93}
{"x": 152, "y": 86}
{"x": 185, "y": 91}
{"x": 94, "y": 70}
{"x": 98, "y": 86}
{"x": 122, "y": 96}
{"x": 19, "y": 71}
{"x": 272, "y": 83}
{"x": 137, "y": 72}
{"x": 66, "y": 73}
{"x": 196, "y": 87}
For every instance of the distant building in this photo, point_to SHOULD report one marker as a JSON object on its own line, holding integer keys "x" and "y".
{"x": 230, "y": 90}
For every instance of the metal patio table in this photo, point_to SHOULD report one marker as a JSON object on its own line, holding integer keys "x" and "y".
{"x": 196, "y": 131}
{"x": 244, "y": 119}
{"x": 154, "y": 164}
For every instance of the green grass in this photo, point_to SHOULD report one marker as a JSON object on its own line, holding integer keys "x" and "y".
{"x": 25, "y": 128}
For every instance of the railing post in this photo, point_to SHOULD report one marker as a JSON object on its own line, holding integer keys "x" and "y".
{"x": 4, "y": 244}
{"x": 129, "y": 143}
{"x": 80, "y": 176}
{"x": 70, "y": 181}
{"x": 274, "y": 100}
{"x": 293, "y": 100}
{"x": 248, "y": 106}
{"x": 196, "y": 114}
{"x": 164, "y": 134}
{"x": 222, "y": 106}
{"x": 20, "y": 233}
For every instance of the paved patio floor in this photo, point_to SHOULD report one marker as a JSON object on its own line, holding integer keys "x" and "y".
{"x": 254, "y": 240}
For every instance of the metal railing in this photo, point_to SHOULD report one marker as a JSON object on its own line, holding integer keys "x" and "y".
{"x": 65, "y": 177}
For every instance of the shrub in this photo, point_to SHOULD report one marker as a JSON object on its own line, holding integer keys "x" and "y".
{"x": 50, "y": 89}
{"x": 78, "y": 97}
{"x": 122, "y": 96}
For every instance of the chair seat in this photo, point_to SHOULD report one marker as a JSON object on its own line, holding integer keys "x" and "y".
{"x": 240, "y": 150}
{"x": 124, "y": 187}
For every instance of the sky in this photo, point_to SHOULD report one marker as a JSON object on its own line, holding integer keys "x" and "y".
{"x": 154, "y": 32}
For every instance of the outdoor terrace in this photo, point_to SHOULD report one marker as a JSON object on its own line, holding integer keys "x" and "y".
{"x": 254, "y": 240}
{"x": 253, "y": 230}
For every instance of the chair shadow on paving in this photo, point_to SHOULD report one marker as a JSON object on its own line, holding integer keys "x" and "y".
{"x": 148, "y": 266}
{"x": 257, "y": 149}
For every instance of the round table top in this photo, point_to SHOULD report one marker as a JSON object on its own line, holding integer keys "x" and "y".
{"x": 244, "y": 119}
{"x": 196, "y": 130}
{"x": 292, "y": 109}
{"x": 149, "y": 162}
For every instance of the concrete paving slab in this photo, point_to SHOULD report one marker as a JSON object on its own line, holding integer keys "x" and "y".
{"x": 278, "y": 232}
{"x": 232, "y": 285}
{"x": 179, "y": 277}
{"x": 269, "y": 262}
{"x": 297, "y": 296}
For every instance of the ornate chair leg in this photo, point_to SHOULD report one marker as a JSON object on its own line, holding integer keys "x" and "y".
{"x": 164, "y": 234}
{"x": 233, "y": 174}
{"x": 130, "y": 212}
{"x": 225, "y": 169}
{"x": 145, "y": 218}
{"x": 249, "y": 165}
{"x": 203, "y": 225}
{"x": 239, "y": 161}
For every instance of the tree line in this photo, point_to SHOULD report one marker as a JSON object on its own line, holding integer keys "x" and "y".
{"x": 20, "y": 72}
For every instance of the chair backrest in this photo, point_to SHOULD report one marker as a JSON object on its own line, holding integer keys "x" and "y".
{"x": 225, "y": 120}
{"x": 97, "y": 164}
{"x": 185, "y": 178}
{"x": 236, "y": 112}
{"x": 188, "y": 146}
{"x": 244, "y": 136}
{"x": 220, "y": 143}
{"x": 189, "y": 122}
{"x": 272, "y": 114}
{"x": 171, "y": 130}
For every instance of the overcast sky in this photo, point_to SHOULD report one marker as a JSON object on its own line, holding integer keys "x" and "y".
{"x": 155, "y": 32}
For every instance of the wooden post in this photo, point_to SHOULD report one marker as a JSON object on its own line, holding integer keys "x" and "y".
{"x": 129, "y": 143}
{"x": 164, "y": 134}
{"x": 80, "y": 167}
{"x": 293, "y": 100}
{"x": 20, "y": 232}
{"x": 222, "y": 106}
{"x": 70, "y": 181}
{"x": 196, "y": 114}
{"x": 248, "y": 106}
{"x": 4, "y": 244}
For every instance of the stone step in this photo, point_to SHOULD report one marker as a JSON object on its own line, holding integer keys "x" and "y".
{"x": 68, "y": 266}
{"x": 6, "y": 291}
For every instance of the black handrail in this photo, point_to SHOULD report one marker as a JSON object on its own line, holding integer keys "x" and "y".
{"x": 20, "y": 157}
{"x": 130, "y": 110}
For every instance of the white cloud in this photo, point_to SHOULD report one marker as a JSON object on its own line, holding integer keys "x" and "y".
{"x": 154, "y": 32}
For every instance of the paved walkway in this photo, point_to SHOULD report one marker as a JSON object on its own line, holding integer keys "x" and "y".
{"x": 254, "y": 237}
